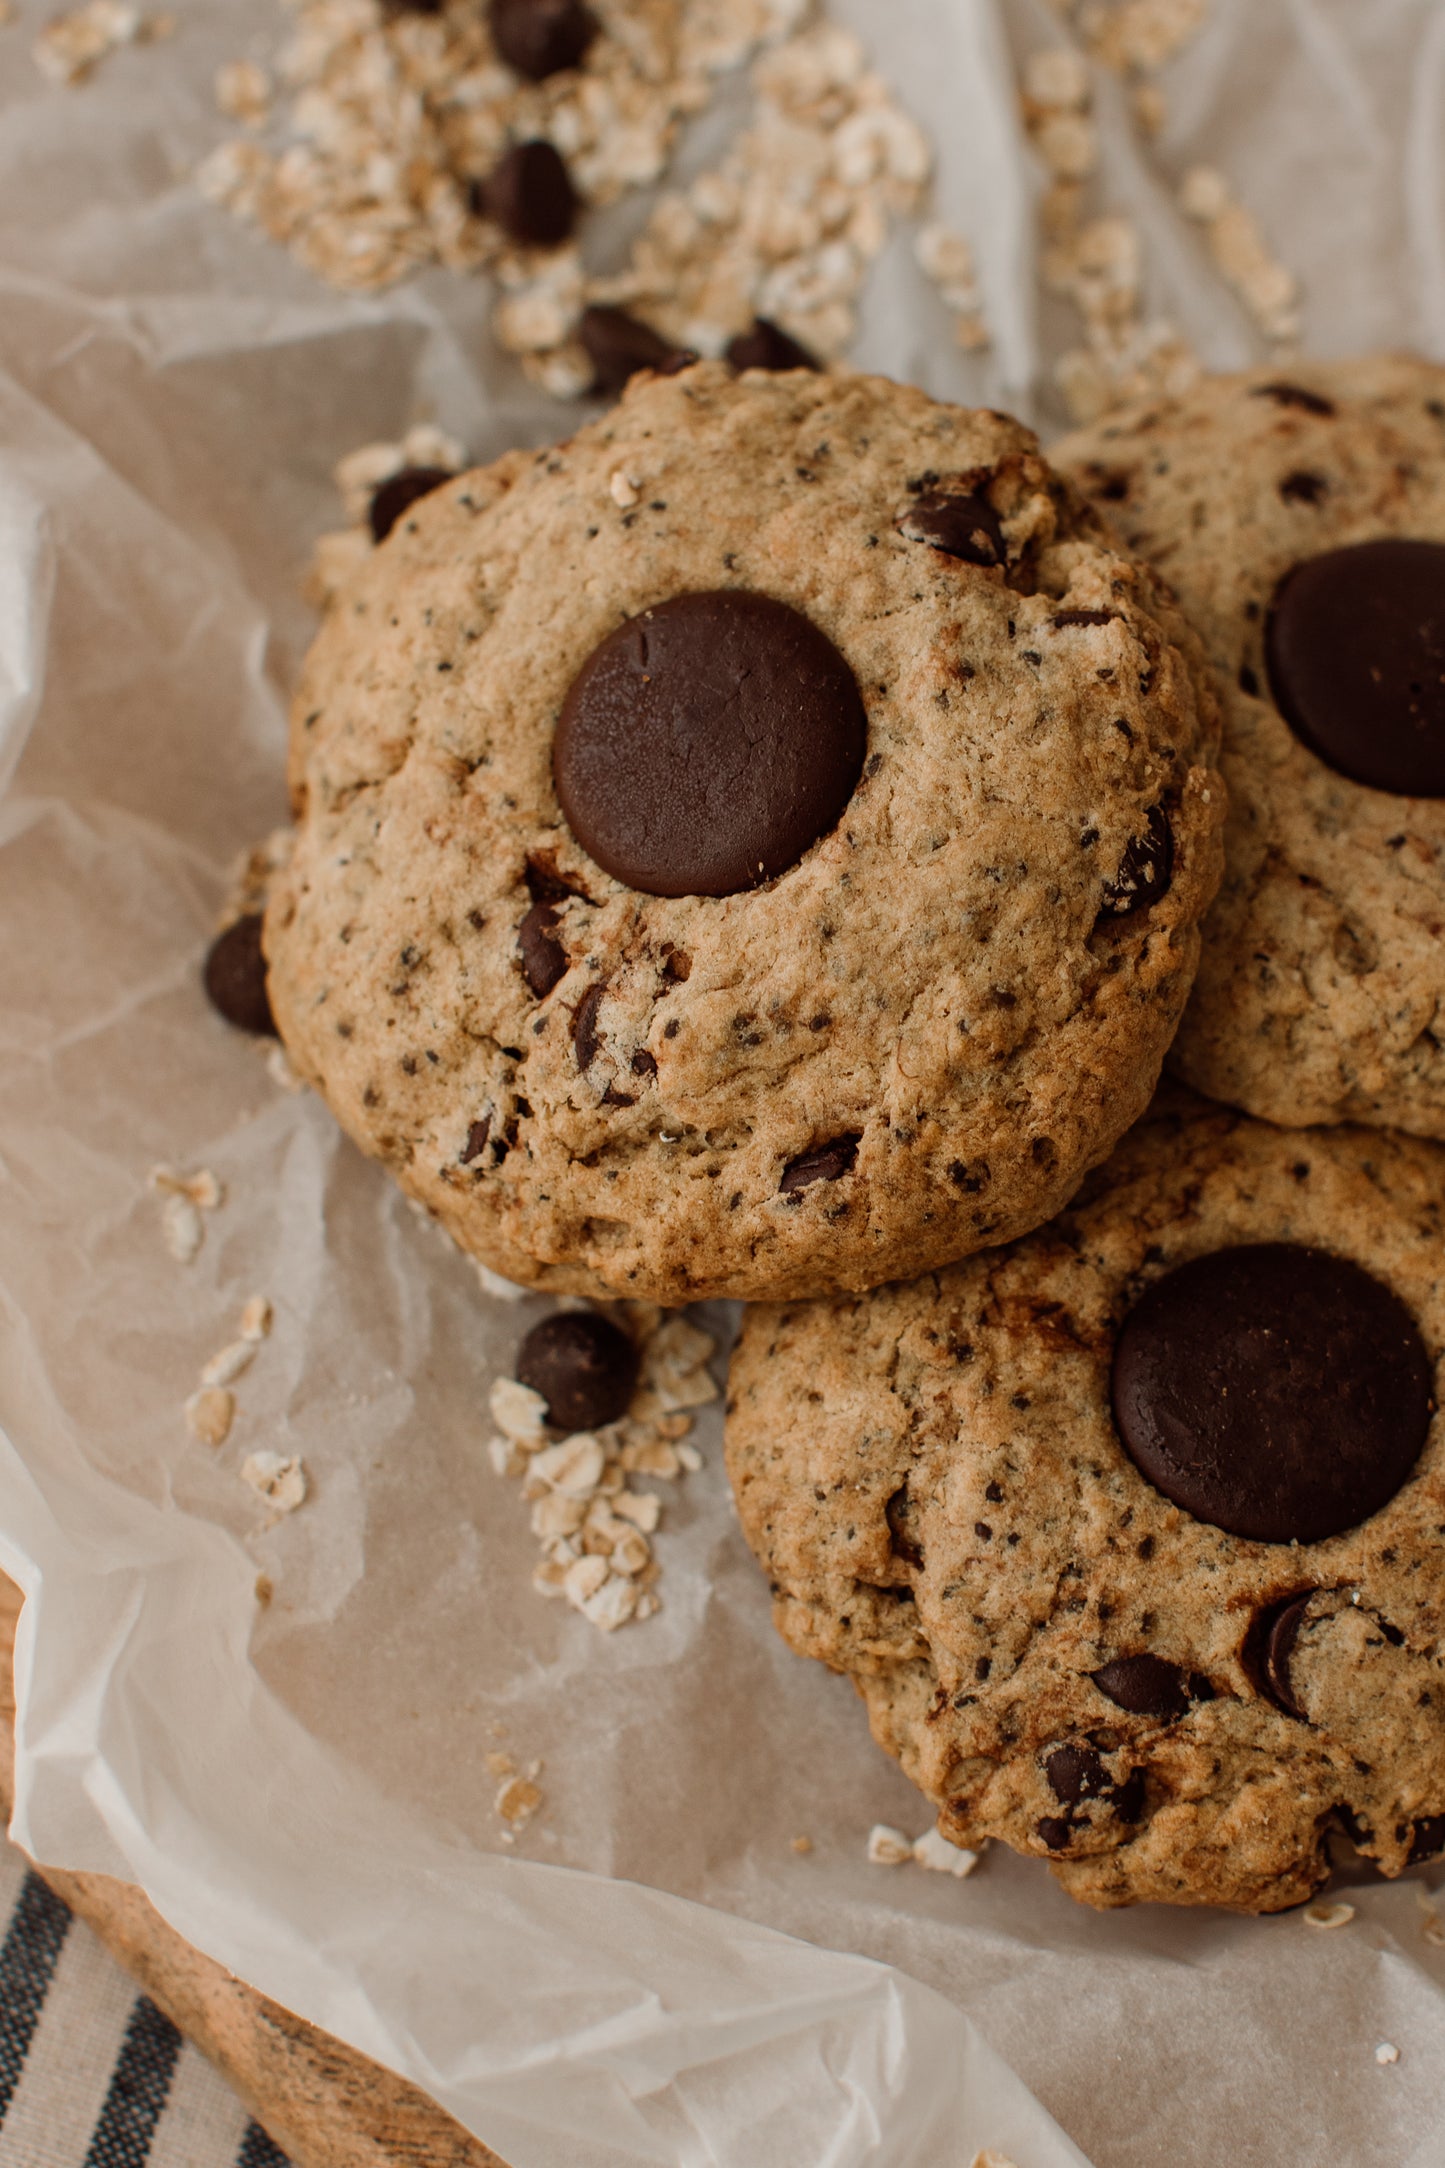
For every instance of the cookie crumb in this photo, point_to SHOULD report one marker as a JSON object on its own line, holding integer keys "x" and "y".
{"x": 933, "y": 1850}
{"x": 517, "y": 1800}
{"x": 624, "y": 491}
{"x": 1328, "y": 1915}
{"x": 888, "y": 1847}
{"x": 281, "y": 1481}
{"x": 182, "y": 1229}
{"x": 801, "y": 1845}
{"x": 210, "y": 1414}
{"x": 1387, "y": 2052}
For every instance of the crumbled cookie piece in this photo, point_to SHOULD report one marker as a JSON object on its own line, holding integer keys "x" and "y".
{"x": 244, "y": 92}
{"x": 187, "y": 1198}
{"x": 1241, "y": 253}
{"x": 72, "y": 45}
{"x": 280, "y": 1480}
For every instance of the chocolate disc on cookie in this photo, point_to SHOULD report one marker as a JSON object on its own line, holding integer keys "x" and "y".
{"x": 1278, "y": 1392}
{"x": 1356, "y": 653}
{"x": 707, "y": 743}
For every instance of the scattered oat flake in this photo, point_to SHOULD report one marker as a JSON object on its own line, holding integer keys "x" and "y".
{"x": 801, "y": 1845}
{"x": 1328, "y": 1915}
{"x": 623, "y": 491}
{"x": 989, "y": 2156}
{"x": 71, "y": 45}
{"x": 576, "y": 1465}
{"x": 517, "y": 1800}
{"x": 227, "y": 1365}
{"x": 1387, "y": 2052}
{"x": 210, "y": 1414}
{"x": 493, "y": 1284}
{"x": 888, "y": 1847}
{"x": 933, "y": 1850}
{"x": 281, "y": 1481}
{"x": 612, "y": 1605}
{"x": 265, "y": 1589}
{"x": 518, "y": 1412}
{"x": 243, "y": 91}
{"x": 256, "y": 1319}
{"x": 279, "y": 1069}
{"x": 182, "y": 1228}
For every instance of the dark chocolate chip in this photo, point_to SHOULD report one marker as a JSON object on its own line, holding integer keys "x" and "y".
{"x": 1063, "y": 618}
{"x": 1294, "y": 395}
{"x": 1302, "y": 487}
{"x": 586, "y": 1038}
{"x": 1127, "y": 1799}
{"x": 235, "y": 977}
{"x": 477, "y": 1136}
{"x": 1145, "y": 870}
{"x": 529, "y": 194}
{"x": 1427, "y": 1840}
{"x": 1355, "y": 648}
{"x": 768, "y": 346}
{"x": 898, "y": 1513}
{"x": 1055, "y": 1830}
{"x": 618, "y": 345}
{"x": 1145, "y": 1685}
{"x": 541, "y": 37}
{"x": 827, "y": 1163}
{"x": 546, "y": 883}
{"x": 704, "y": 745}
{"x": 399, "y": 492}
{"x": 584, "y": 1367}
{"x": 643, "y": 1063}
{"x": 544, "y": 960}
{"x": 1277, "y": 1633}
{"x": 1279, "y": 1392}
{"x": 1075, "y": 1773}
{"x": 960, "y": 526}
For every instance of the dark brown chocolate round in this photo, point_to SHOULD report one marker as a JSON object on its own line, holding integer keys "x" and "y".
{"x": 706, "y": 744}
{"x": 529, "y": 194}
{"x": 767, "y": 346}
{"x": 1355, "y": 647}
{"x": 235, "y": 977}
{"x": 584, "y": 1367}
{"x": 1278, "y": 1392}
{"x": 399, "y": 492}
{"x": 1145, "y": 1685}
{"x": 541, "y": 37}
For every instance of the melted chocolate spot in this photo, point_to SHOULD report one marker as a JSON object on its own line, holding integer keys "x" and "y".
{"x": 1355, "y": 649}
{"x": 898, "y": 1513}
{"x": 962, "y": 526}
{"x": 584, "y": 1367}
{"x": 399, "y": 492}
{"x": 586, "y": 1039}
{"x": 1075, "y": 1773}
{"x": 1278, "y": 1392}
{"x": 544, "y": 960}
{"x": 235, "y": 978}
{"x": 1145, "y": 870}
{"x": 618, "y": 345}
{"x": 705, "y": 745}
{"x": 828, "y": 1163}
{"x": 1145, "y": 1685}
{"x": 1294, "y": 395}
{"x": 768, "y": 346}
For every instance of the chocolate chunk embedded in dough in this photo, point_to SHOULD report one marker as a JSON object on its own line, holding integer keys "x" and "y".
{"x": 1355, "y": 646}
{"x": 1279, "y": 1392}
{"x": 704, "y": 745}
{"x": 399, "y": 492}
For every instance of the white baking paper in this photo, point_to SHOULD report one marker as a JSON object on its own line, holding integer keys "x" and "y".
{"x": 651, "y": 1972}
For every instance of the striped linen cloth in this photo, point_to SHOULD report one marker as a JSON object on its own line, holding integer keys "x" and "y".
{"x": 91, "y": 2074}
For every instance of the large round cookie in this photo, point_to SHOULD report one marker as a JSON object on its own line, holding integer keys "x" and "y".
{"x": 1059, "y": 1653}
{"x": 1321, "y": 992}
{"x": 912, "y": 1040}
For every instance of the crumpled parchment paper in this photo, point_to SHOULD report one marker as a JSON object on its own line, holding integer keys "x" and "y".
{"x": 650, "y": 1972}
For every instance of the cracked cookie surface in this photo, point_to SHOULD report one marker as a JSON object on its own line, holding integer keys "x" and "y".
{"x": 911, "y": 1042}
{"x": 1059, "y": 1657}
{"x": 1320, "y": 994}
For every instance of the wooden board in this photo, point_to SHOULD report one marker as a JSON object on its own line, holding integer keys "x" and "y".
{"x": 325, "y": 2105}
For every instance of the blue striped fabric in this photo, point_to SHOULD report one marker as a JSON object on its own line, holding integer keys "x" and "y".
{"x": 92, "y": 2075}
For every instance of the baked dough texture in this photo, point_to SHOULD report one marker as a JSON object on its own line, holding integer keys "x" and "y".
{"x": 931, "y": 1478}
{"x": 912, "y": 1042}
{"x": 1321, "y": 991}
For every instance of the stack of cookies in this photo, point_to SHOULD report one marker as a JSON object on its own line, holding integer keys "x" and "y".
{"x": 767, "y": 847}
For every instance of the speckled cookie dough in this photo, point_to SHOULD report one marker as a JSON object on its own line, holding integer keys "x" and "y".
{"x": 932, "y": 1479}
{"x": 1321, "y": 992}
{"x": 914, "y": 1040}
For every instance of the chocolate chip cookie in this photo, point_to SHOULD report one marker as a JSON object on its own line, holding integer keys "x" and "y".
{"x": 1301, "y": 521}
{"x": 1130, "y": 1533}
{"x": 754, "y": 848}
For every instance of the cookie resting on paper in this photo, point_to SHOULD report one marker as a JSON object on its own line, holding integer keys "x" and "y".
{"x": 1130, "y": 1533}
{"x": 754, "y": 848}
{"x": 1301, "y": 521}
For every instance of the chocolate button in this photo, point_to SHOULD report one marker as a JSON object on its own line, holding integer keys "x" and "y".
{"x": 1355, "y": 647}
{"x": 235, "y": 977}
{"x": 399, "y": 492}
{"x": 618, "y": 345}
{"x": 584, "y": 1367}
{"x": 530, "y": 195}
{"x": 541, "y": 37}
{"x": 768, "y": 346}
{"x": 1276, "y": 1391}
{"x": 1144, "y": 1685}
{"x": 706, "y": 744}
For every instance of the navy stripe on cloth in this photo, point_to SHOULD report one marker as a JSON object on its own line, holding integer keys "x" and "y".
{"x": 27, "y": 1965}
{"x": 259, "y": 2151}
{"x": 138, "y": 2088}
